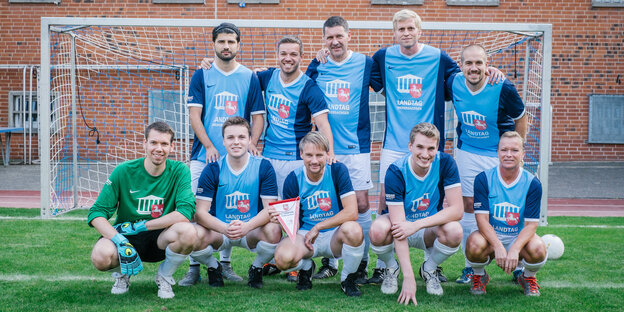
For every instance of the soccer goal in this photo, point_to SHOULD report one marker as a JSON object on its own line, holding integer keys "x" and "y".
{"x": 111, "y": 77}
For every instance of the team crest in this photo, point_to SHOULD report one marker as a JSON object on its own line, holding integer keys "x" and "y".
{"x": 507, "y": 213}
{"x": 512, "y": 218}
{"x": 421, "y": 204}
{"x": 157, "y": 210}
{"x": 415, "y": 90}
{"x": 480, "y": 124}
{"x": 239, "y": 201}
{"x": 283, "y": 110}
{"x": 344, "y": 94}
{"x": 243, "y": 205}
{"x": 226, "y": 101}
{"x": 230, "y": 107}
{"x": 151, "y": 205}
{"x": 324, "y": 203}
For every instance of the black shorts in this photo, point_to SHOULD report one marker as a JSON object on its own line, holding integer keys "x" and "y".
{"x": 146, "y": 244}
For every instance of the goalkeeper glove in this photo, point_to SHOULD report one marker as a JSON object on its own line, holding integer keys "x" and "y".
{"x": 129, "y": 228}
{"x": 128, "y": 257}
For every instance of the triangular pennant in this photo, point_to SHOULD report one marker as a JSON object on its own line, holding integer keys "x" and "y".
{"x": 288, "y": 217}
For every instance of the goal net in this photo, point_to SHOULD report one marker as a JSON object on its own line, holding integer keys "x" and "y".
{"x": 112, "y": 77}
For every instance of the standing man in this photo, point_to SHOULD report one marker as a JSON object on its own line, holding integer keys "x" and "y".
{"x": 484, "y": 113}
{"x": 231, "y": 199}
{"x": 226, "y": 89}
{"x": 344, "y": 77}
{"x": 153, "y": 201}
{"x": 328, "y": 209}
{"x": 416, "y": 186}
{"x": 507, "y": 205}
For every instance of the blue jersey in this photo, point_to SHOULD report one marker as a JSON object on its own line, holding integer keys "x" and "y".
{"x": 237, "y": 195}
{"x": 345, "y": 86}
{"x": 484, "y": 115}
{"x": 508, "y": 206}
{"x": 223, "y": 95}
{"x": 320, "y": 200}
{"x": 290, "y": 108}
{"x": 414, "y": 87}
{"x": 421, "y": 197}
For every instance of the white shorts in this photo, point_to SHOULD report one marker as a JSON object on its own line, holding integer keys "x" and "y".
{"x": 387, "y": 158}
{"x": 282, "y": 169}
{"x": 322, "y": 244}
{"x": 417, "y": 240}
{"x": 507, "y": 240}
{"x": 359, "y": 166}
{"x": 196, "y": 168}
{"x": 469, "y": 166}
{"x": 228, "y": 244}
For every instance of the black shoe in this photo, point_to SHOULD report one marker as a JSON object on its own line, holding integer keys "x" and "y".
{"x": 255, "y": 277}
{"x": 349, "y": 287}
{"x": 361, "y": 275}
{"x": 270, "y": 269}
{"x": 305, "y": 278}
{"x": 215, "y": 276}
{"x": 441, "y": 277}
{"x": 377, "y": 277}
{"x": 325, "y": 270}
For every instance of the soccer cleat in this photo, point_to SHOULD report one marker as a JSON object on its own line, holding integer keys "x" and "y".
{"x": 467, "y": 272}
{"x": 390, "y": 284}
{"x": 516, "y": 274}
{"x": 325, "y": 270}
{"x": 529, "y": 284}
{"x": 255, "y": 277}
{"x": 441, "y": 275}
{"x": 304, "y": 281}
{"x": 292, "y": 276}
{"x": 122, "y": 284}
{"x": 432, "y": 281}
{"x": 215, "y": 276}
{"x": 349, "y": 287}
{"x": 377, "y": 278}
{"x": 191, "y": 277}
{"x": 478, "y": 284}
{"x": 164, "y": 286}
{"x": 229, "y": 274}
{"x": 270, "y": 269}
{"x": 361, "y": 274}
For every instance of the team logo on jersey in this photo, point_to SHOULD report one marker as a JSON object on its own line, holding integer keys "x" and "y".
{"x": 226, "y": 101}
{"x": 280, "y": 104}
{"x": 320, "y": 199}
{"x": 237, "y": 200}
{"x": 344, "y": 94}
{"x": 472, "y": 118}
{"x": 338, "y": 89}
{"x": 421, "y": 204}
{"x": 508, "y": 213}
{"x": 151, "y": 205}
{"x": 410, "y": 84}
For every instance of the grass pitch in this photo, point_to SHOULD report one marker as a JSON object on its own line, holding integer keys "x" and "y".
{"x": 46, "y": 267}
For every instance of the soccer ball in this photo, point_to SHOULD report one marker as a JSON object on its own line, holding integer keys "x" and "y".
{"x": 554, "y": 245}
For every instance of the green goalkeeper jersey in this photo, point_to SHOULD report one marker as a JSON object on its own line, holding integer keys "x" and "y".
{"x": 136, "y": 195}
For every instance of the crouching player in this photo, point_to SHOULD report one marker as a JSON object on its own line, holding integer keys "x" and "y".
{"x": 416, "y": 186}
{"x": 153, "y": 200}
{"x": 507, "y": 207}
{"x": 231, "y": 196}
{"x": 327, "y": 216}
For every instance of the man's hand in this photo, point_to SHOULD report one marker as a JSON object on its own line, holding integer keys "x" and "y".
{"x": 501, "y": 256}
{"x": 236, "y": 229}
{"x": 403, "y": 230}
{"x": 212, "y": 154}
{"x": 253, "y": 149}
{"x": 321, "y": 55}
{"x": 129, "y": 228}
{"x": 408, "y": 292}
{"x": 511, "y": 261}
{"x": 206, "y": 63}
{"x": 129, "y": 260}
{"x": 496, "y": 75}
{"x": 273, "y": 214}
{"x": 310, "y": 237}
{"x": 331, "y": 158}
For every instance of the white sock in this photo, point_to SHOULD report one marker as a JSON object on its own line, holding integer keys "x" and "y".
{"x": 226, "y": 254}
{"x": 380, "y": 264}
{"x": 385, "y": 254}
{"x": 364, "y": 220}
{"x": 478, "y": 268}
{"x": 333, "y": 262}
{"x": 303, "y": 264}
{"x": 264, "y": 253}
{"x": 171, "y": 263}
{"x": 469, "y": 225}
{"x": 205, "y": 257}
{"x": 192, "y": 261}
{"x": 351, "y": 257}
{"x": 530, "y": 269}
{"x": 439, "y": 253}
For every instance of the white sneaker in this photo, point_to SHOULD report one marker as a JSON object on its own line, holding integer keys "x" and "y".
{"x": 432, "y": 282}
{"x": 122, "y": 284}
{"x": 390, "y": 284}
{"x": 164, "y": 286}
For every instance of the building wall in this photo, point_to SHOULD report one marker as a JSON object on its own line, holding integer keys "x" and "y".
{"x": 587, "y": 46}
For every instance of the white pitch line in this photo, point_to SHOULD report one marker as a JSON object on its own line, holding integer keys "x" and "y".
{"x": 42, "y": 219}
{"x": 593, "y": 226}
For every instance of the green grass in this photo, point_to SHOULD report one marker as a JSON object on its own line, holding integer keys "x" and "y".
{"x": 45, "y": 266}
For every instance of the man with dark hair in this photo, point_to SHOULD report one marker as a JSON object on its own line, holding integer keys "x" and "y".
{"x": 154, "y": 203}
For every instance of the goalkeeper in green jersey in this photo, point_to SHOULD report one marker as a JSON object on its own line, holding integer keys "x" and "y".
{"x": 154, "y": 203}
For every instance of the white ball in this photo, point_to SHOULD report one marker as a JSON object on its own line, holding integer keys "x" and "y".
{"x": 554, "y": 245}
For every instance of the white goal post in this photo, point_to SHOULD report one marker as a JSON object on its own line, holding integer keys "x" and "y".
{"x": 112, "y": 76}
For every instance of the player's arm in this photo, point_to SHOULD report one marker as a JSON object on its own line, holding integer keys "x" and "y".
{"x": 449, "y": 177}
{"x": 238, "y": 230}
{"x": 200, "y": 131}
{"x": 531, "y": 218}
{"x": 348, "y": 213}
{"x": 258, "y": 110}
{"x": 207, "y": 220}
{"x": 408, "y": 289}
{"x": 482, "y": 214}
{"x": 323, "y": 124}
{"x": 521, "y": 125}
{"x": 257, "y": 125}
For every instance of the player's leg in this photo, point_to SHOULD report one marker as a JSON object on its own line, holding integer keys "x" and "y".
{"x": 348, "y": 242}
{"x": 479, "y": 253}
{"x": 207, "y": 243}
{"x": 382, "y": 245}
{"x": 193, "y": 275}
{"x": 295, "y": 256}
{"x": 533, "y": 258}
{"x": 178, "y": 242}
{"x": 104, "y": 257}
{"x": 263, "y": 240}
{"x": 441, "y": 242}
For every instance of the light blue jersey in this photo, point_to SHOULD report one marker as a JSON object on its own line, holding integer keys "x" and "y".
{"x": 421, "y": 197}
{"x": 508, "y": 205}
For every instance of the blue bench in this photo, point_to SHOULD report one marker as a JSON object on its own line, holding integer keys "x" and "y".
{"x": 7, "y": 151}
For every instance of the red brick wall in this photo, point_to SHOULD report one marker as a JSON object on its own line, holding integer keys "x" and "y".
{"x": 587, "y": 46}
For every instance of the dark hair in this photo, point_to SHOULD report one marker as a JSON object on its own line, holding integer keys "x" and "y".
{"x": 161, "y": 127}
{"x": 235, "y": 121}
{"x": 290, "y": 39}
{"x": 225, "y": 28}
{"x": 336, "y": 21}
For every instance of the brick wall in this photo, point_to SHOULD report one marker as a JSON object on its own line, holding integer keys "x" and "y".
{"x": 587, "y": 46}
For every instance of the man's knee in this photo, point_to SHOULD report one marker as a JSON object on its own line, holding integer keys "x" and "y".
{"x": 285, "y": 255}
{"x": 272, "y": 232}
{"x": 476, "y": 246}
{"x": 379, "y": 230}
{"x": 535, "y": 250}
{"x": 182, "y": 234}
{"x": 351, "y": 231}
{"x": 104, "y": 255}
{"x": 450, "y": 234}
